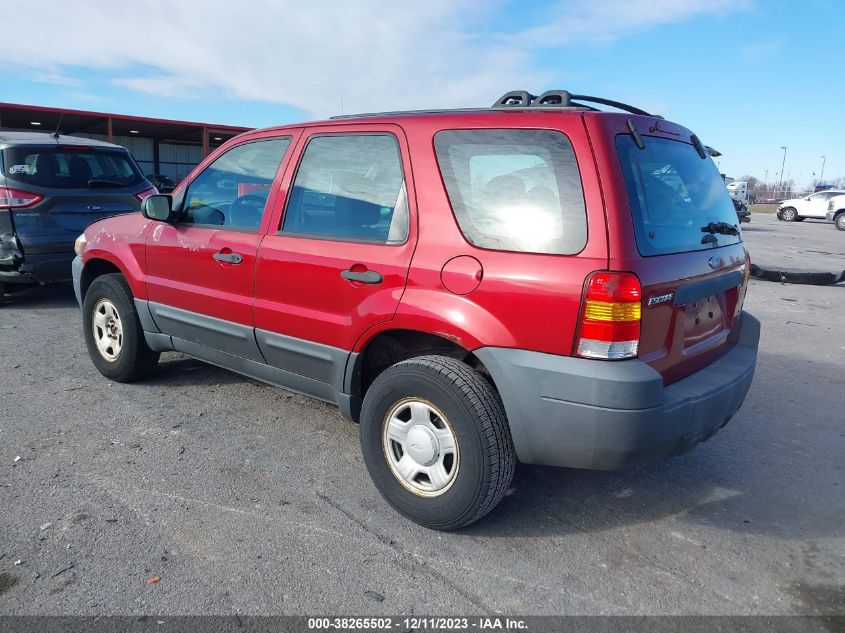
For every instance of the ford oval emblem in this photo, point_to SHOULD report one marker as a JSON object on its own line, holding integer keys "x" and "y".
{"x": 715, "y": 262}
{"x": 95, "y": 207}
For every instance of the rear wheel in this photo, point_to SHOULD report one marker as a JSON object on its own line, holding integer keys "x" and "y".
{"x": 113, "y": 333}
{"x": 436, "y": 441}
{"x": 788, "y": 214}
{"x": 840, "y": 221}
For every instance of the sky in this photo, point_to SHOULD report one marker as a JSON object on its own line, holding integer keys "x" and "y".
{"x": 748, "y": 76}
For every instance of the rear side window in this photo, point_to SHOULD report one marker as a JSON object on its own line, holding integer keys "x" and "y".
{"x": 69, "y": 168}
{"x": 233, "y": 190}
{"x": 514, "y": 190}
{"x": 350, "y": 187}
{"x": 674, "y": 195}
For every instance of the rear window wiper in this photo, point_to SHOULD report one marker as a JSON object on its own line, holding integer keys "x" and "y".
{"x": 102, "y": 182}
{"x": 722, "y": 228}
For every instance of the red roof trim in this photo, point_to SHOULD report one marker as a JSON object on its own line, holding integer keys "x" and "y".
{"x": 123, "y": 117}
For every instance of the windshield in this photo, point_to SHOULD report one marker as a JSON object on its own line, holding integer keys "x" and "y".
{"x": 59, "y": 167}
{"x": 678, "y": 200}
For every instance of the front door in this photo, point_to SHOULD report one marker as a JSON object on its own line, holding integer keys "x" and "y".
{"x": 201, "y": 270}
{"x": 817, "y": 206}
{"x": 338, "y": 262}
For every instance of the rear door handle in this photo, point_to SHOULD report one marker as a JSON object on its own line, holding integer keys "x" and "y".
{"x": 229, "y": 258}
{"x": 365, "y": 277}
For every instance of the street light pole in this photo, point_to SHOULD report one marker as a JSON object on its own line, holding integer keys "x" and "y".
{"x": 782, "y": 164}
{"x": 821, "y": 177}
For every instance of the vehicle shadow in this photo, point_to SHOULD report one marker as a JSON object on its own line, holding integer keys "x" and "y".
{"x": 58, "y": 295}
{"x": 178, "y": 370}
{"x": 773, "y": 470}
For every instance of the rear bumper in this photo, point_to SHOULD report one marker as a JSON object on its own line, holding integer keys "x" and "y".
{"x": 41, "y": 268}
{"x": 606, "y": 415}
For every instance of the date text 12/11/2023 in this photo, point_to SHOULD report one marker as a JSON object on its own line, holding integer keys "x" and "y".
{"x": 418, "y": 623}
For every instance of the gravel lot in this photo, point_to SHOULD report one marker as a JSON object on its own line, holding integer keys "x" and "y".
{"x": 246, "y": 498}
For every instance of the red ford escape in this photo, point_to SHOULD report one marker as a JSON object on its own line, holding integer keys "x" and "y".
{"x": 540, "y": 281}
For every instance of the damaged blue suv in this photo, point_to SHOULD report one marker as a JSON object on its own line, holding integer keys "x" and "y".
{"x": 52, "y": 187}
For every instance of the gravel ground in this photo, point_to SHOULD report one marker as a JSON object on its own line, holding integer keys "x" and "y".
{"x": 245, "y": 498}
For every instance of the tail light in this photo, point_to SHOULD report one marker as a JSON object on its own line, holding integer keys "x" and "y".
{"x": 17, "y": 199}
{"x": 146, "y": 193}
{"x": 610, "y": 316}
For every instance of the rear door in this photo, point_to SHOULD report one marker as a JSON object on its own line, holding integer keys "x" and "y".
{"x": 336, "y": 263}
{"x": 77, "y": 186}
{"x": 678, "y": 231}
{"x": 201, "y": 270}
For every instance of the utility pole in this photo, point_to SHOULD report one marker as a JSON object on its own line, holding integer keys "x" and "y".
{"x": 821, "y": 177}
{"x": 782, "y": 164}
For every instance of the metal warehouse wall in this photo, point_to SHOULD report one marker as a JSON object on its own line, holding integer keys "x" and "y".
{"x": 177, "y": 161}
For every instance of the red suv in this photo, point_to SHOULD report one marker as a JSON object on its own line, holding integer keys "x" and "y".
{"x": 540, "y": 281}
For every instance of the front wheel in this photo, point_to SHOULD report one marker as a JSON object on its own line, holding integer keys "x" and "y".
{"x": 436, "y": 441}
{"x": 788, "y": 214}
{"x": 113, "y": 333}
{"x": 840, "y": 221}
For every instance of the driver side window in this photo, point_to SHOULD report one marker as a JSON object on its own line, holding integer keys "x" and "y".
{"x": 233, "y": 190}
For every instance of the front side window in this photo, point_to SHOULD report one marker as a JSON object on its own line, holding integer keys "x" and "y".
{"x": 514, "y": 190}
{"x": 233, "y": 190}
{"x": 350, "y": 187}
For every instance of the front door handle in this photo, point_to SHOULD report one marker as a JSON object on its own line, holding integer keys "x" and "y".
{"x": 229, "y": 258}
{"x": 365, "y": 277}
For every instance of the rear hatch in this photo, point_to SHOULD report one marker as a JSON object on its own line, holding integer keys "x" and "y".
{"x": 679, "y": 233}
{"x": 58, "y": 190}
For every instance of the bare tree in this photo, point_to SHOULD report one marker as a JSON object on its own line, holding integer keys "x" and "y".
{"x": 753, "y": 183}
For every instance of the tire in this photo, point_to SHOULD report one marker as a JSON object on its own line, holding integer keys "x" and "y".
{"x": 2, "y": 292}
{"x": 129, "y": 358}
{"x": 434, "y": 392}
{"x": 788, "y": 214}
{"x": 839, "y": 221}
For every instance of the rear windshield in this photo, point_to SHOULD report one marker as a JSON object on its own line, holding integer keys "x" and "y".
{"x": 514, "y": 190}
{"x": 678, "y": 200}
{"x": 69, "y": 168}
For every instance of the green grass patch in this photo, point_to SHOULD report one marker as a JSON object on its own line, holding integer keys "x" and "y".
{"x": 763, "y": 208}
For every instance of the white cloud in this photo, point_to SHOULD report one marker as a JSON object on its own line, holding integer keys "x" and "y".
{"x": 56, "y": 79}
{"x": 372, "y": 54}
{"x": 607, "y": 20}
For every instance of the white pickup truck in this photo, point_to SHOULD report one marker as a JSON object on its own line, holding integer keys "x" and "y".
{"x": 836, "y": 210}
{"x": 813, "y": 206}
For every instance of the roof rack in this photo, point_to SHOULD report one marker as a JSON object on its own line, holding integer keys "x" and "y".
{"x": 523, "y": 100}
{"x": 559, "y": 99}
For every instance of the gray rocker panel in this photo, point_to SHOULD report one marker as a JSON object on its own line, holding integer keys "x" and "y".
{"x": 232, "y": 338}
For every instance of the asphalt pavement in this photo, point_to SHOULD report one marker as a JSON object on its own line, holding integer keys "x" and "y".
{"x": 200, "y": 491}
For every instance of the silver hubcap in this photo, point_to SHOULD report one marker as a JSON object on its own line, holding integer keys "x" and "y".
{"x": 789, "y": 214}
{"x": 108, "y": 330}
{"x": 420, "y": 447}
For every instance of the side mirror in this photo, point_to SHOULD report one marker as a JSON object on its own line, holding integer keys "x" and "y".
{"x": 158, "y": 207}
